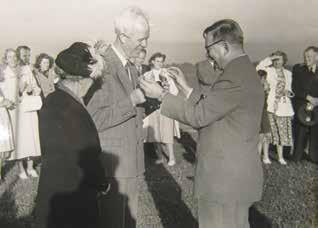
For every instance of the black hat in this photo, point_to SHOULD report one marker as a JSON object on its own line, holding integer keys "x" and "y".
{"x": 307, "y": 115}
{"x": 76, "y": 59}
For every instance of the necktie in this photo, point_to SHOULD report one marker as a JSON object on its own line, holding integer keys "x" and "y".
{"x": 128, "y": 68}
{"x": 140, "y": 70}
{"x": 311, "y": 69}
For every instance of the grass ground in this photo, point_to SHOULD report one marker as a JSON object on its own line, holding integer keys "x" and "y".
{"x": 290, "y": 194}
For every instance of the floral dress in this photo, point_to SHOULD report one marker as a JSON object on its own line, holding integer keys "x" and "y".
{"x": 281, "y": 127}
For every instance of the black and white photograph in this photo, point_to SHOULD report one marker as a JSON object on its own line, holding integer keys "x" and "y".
{"x": 159, "y": 114}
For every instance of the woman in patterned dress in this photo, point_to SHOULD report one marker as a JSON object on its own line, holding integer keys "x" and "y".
{"x": 279, "y": 106}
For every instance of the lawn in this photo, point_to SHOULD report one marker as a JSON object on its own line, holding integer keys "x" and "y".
{"x": 166, "y": 201}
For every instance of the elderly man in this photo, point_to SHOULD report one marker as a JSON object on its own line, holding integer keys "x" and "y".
{"x": 229, "y": 174}
{"x": 115, "y": 110}
{"x": 305, "y": 87}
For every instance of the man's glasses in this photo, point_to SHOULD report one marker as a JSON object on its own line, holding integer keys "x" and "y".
{"x": 138, "y": 40}
{"x": 210, "y": 45}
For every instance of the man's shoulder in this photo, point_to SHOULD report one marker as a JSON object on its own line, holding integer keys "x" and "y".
{"x": 299, "y": 67}
{"x": 240, "y": 67}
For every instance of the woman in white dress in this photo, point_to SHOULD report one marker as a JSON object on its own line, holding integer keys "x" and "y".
{"x": 161, "y": 130}
{"x": 6, "y": 133}
{"x": 19, "y": 83}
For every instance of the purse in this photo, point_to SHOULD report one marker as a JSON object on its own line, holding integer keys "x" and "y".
{"x": 30, "y": 103}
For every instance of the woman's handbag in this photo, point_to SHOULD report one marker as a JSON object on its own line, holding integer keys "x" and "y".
{"x": 30, "y": 103}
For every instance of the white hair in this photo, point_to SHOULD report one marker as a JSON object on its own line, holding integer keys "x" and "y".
{"x": 128, "y": 19}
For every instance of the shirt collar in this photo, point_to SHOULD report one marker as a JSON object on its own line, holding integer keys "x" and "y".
{"x": 122, "y": 58}
{"x": 61, "y": 86}
{"x": 313, "y": 68}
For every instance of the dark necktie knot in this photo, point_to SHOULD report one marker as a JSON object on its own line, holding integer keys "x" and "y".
{"x": 128, "y": 68}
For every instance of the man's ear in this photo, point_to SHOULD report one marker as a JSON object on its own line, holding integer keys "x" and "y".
{"x": 122, "y": 38}
{"x": 226, "y": 47}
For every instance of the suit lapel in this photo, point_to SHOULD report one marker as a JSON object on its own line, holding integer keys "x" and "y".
{"x": 120, "y": 71}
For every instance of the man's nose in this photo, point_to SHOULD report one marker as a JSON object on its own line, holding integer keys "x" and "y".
{"x": 144, "y": 43}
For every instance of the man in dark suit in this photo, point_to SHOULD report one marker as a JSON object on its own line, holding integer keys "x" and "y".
{"x": 305, "y": 87}
{"x": 115, "y": 110}
{"x": 139, "y": 62}
{"x": 229, "y": 175}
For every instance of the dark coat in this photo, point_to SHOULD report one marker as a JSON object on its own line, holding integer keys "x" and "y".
{"x": 118, "y": 122}
{"x": 228, "y": 119}
{"x": 72, "y": 172}
{"x": 304, "y": 83}
{"x": 145, "y": 68}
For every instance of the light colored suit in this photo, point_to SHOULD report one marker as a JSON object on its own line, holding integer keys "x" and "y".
{"x": 118, "y": 122}
{"x": 119, "y": 126}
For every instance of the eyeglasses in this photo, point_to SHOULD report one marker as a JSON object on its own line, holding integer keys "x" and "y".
{"x": 214, "y": 43}
{"x": 138, "y": 40}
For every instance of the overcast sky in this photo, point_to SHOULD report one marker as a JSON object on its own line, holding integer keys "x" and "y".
{"x": 177, "y": 25}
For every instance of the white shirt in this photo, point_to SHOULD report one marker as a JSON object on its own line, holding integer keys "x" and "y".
{"x": 313, "y": 68}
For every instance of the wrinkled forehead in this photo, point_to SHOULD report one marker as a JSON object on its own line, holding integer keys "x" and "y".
{"x": 310, "y": 53}
{"x": 140, "y": 28}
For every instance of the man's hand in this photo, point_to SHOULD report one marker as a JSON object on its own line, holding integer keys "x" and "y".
{"x": 151, "y": 88}
{"x": 312, "y": 100}
{"x": 180, "y": 80}
{"x": 137, "y": 97}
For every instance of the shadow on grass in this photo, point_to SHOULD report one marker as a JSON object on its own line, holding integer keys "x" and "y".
{"x": 8, "y": 206}
{"x": 189, "y": 144}
{"x": 167, "y": 196}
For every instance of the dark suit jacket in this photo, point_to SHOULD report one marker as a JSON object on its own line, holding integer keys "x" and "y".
{"x": 304, "y": 83}
{"x": 72, "y": 166}
{"x": 118, "y": 122}
{"x": 228, "y": 119}
{"x": 145, "y": 68}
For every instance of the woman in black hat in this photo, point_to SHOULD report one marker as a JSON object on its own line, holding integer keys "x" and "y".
{"x": 72, "y": 174}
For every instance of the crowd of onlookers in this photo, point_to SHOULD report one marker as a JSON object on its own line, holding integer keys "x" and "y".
{"x": 89, "y": 112}
{"x": 23, "y": 87}
{"x": 284, "y": 123}
{"x": 289, "y": 118}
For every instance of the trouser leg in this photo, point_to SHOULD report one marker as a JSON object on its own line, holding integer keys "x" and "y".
{"x": 313, "y": 145}
{"x": 213, "y": 214}
{"x": 120, "y": 206}
{"x": 300, "y": 141}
